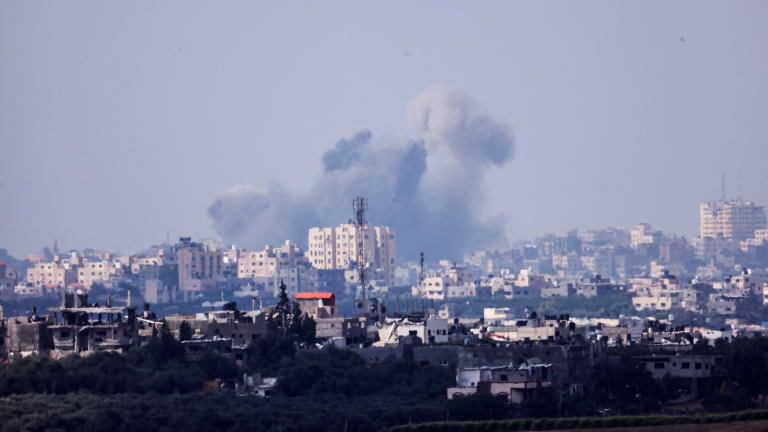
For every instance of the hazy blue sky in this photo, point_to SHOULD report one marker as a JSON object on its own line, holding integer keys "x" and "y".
{"x": 121, "y": 122}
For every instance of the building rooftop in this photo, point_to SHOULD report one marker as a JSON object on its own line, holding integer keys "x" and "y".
{"x": 314, "y": 295}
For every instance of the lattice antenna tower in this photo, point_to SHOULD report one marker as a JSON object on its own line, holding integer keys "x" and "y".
{"x": 421, "y": 272}
{"x": 359, "y": 206}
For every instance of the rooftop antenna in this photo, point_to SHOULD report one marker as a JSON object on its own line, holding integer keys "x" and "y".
{"x": 359, "y": 206}
{"x": 421, "y": 271}
{"x": 739, "y": 196}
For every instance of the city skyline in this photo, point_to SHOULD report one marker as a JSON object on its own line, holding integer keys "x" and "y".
{"x": 129, "y": 126}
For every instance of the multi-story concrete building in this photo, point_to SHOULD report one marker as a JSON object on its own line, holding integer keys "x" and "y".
{"x": 270, "y": 260}
{"x": 6, "y": 280}
{"x": 643, "y": 234}
{"x": 717, "y": 247}
{"x": 673, "y": 252}
{"x": 337, "y": 248}
{"x": 597, "y": 287}
{"x": 598, "y": 264}
{"x": 197, "y": 263}
{"x": 456, "y": 282}
{"x": 53, "y": 273}
{"x": 100, "y": 271}
{"x": 735, "y": 220}
{"x": 570, "y": 262}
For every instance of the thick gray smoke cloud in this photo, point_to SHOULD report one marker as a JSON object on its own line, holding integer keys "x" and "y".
{"x": 428, "y": 189}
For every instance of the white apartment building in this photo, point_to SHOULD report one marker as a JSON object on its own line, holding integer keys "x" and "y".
{"x": 337, "y": 248}
{"x": 270, "y": 260}
{"x": 456, "y": 282}
{"x": 735, "y": 220}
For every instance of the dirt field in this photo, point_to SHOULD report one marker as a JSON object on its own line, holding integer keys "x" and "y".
{"x": 745, "y": 426}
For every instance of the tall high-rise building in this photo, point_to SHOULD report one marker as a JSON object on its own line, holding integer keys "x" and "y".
{"x": 336, "y": 248}
{"x": 735, "y": 220}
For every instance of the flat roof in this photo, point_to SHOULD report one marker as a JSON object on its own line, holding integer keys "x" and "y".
{"x": 93, "y": 310}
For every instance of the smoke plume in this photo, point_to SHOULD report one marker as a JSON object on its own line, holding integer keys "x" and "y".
{"x": 428, "y": 189}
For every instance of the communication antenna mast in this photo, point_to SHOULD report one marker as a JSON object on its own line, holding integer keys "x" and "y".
{"x": 421, "y": 272}
{"x": 359, "y": 206}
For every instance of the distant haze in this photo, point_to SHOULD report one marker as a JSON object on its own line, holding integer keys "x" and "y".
{"x": 125, "y": 123}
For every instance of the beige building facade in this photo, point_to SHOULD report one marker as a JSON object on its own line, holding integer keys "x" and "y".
{"x": 270, "y": 260}
{"x": 337, "y": 248}
{"x": 735, "y": 220}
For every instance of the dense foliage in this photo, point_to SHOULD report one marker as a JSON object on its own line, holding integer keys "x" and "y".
{"x": 583, "y": 422}
{"x": 157, "y": 366}
{"x": 152, "y": 388}
{"x": 208, "y": 412}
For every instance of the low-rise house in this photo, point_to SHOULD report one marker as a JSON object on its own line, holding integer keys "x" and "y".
{"x": 317, "y": 305}
{"x": 195, "y": 349}
{"x": 352, "y": 330}
{"x": 498, "y": 315}
{"x": 226, "y": 323}
{"x": 696, "y": 368}
{"x": 727, "y": 304}
{"x": 514, "y": 383}
{"x": 430, "y": 329}
{"x": 256, "y": 385}
{"x": 597, "y": 287}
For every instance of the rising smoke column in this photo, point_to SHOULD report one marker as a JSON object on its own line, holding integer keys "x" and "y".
{"x": 428, "y": 189}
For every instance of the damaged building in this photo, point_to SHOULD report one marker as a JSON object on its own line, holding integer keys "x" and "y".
{"x": 515, "y": 383}
{"x": 26, "y": 336}
{"x": 86, "y": 327}
{"x": 229, "y": 322}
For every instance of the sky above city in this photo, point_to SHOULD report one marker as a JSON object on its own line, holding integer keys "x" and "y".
{"x": 465, "y": 124}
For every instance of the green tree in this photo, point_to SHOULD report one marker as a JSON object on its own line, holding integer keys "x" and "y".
{"x": 185, "y": 331}
{"x": 296, "y": 315}
{"x": 282, "y": 314}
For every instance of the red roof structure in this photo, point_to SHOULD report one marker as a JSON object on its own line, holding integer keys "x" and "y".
{"x": 317, "y": 296}
{"x": 311, "y": 295}
{"x": 51, "y": 286}
{"x": 2, "y": 262}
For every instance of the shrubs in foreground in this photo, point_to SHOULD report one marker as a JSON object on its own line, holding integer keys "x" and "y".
{"x": 528, "y": 424}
